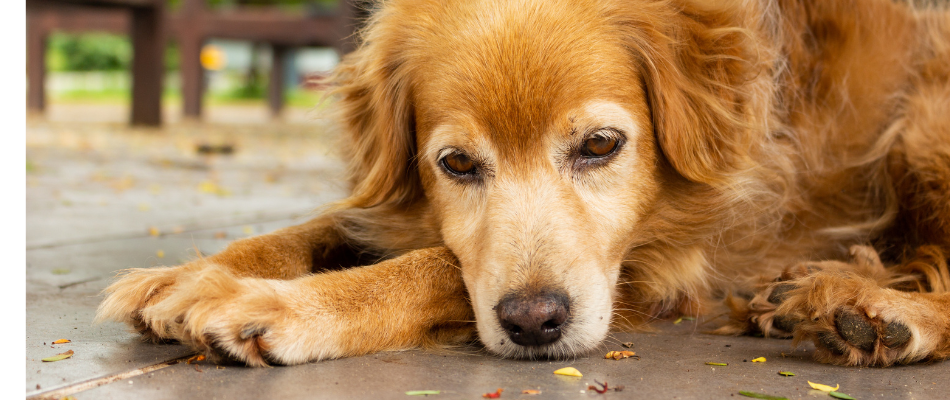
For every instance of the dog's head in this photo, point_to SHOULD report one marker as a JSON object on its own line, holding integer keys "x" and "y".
{"x": 540, "y": 135}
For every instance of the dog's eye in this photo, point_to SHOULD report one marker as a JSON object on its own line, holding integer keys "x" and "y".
{"x": 459, "y": 163}
{"x": 599, "y": 146}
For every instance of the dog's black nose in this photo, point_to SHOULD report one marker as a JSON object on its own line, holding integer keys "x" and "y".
{"x": 533, "y": 320}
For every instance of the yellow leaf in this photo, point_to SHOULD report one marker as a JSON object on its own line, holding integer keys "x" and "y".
{"x": 61, "y": 341}
{"x": 758, "y": 359}
{"x": 59, "y": 357}
{"x": 569, "y": 371}
{"x": 823, "y": 388}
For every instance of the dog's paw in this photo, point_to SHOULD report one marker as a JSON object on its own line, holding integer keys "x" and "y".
{"x": 854, "y": 321}
{"x": 254, "y": 321}
{"x": 134, "y": 290}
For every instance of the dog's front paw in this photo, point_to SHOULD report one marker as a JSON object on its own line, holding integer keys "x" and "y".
{"x": 254, "y": 321}
{"x": 854, "y": 321}
{"x": 136, "y": 289}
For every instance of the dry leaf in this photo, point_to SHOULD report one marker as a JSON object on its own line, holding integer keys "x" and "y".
{"x": 59, "y": 357}
{"x": 495, "y": 395}
{"x": 617, "y": 355}
{"x": 569, "y": 371}
{"x": 823, "y": 388}
{"x": 196, "y": 358}
{"x": 61, "y": 341}
{"x": 758, "y": 359}
{"x": 530, "y": 391}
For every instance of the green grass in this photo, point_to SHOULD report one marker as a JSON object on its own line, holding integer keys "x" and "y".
{"x": 293, "y": 98}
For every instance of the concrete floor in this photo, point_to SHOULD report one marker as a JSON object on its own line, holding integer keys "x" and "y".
{"x": 98, "y": 191}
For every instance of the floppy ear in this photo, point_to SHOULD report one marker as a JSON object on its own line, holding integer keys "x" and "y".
{"x": 377, "y": 118}
{"x": 699, "y": 69}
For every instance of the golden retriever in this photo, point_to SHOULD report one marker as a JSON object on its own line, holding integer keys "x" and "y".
{"x": 537, "y": 171}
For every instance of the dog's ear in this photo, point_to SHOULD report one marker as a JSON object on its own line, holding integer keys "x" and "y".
{"x": 699, "y": 70}
{"x": 377, "y": 118}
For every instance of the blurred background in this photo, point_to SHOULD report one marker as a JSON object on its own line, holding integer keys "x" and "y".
{"x": 264, "y": 56}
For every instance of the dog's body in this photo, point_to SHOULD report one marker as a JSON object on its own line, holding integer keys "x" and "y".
{"x": 546, "y": 168}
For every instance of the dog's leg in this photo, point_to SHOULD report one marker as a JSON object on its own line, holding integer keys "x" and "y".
{"x": 860, "y": 313}
{"x": 288, "y": 253}
{"x": 414, "y": 300}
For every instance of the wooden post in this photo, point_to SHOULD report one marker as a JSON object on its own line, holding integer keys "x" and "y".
{"x": 36, "y": 34}
{"x": 275, "y": 86}
{"x": 148, "y": 64}
{"x": 190, "y": 40}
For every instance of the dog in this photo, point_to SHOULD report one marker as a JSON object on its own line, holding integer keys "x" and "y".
{"x": 531, "y": 173}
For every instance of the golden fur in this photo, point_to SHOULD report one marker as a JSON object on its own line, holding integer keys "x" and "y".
{"x": 767, "y": 152}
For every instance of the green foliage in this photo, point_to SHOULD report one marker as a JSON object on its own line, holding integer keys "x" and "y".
{"x": 89, "y": 52}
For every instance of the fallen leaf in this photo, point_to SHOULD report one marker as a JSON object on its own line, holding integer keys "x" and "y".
{"x": 530, "y": 391}
{"x": 678, "y": 320}
{"x": 761, "y": 396}
{"x": 195, "y": 358}
{"x": 840, "y": 395}
{"x": 823, "y": 388}
{"x": 61, "y": 341}
{"x": 422, "y": 392}
{"x": 154, "y": 231}
{"x": 569, "y": 371}
{"x": 160, "y": 254}
{"x": 758, "y": 359}
{"x": 786, "y": 373}
{"x": 495, "y": 395}
{"x": 717, "y": 364}
{"x": 618, "y": 355}
{"x": 59, "y": 357}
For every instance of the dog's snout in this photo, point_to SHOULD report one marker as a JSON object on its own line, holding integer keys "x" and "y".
{"x": 533, "y": 320}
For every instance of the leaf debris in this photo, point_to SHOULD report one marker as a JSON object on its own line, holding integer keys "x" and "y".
{"x": 823, "y": 388}
{"x": 60, "y": 356}
{"x": 786, "y": 373}
{"x": 494, "y": 395}
{"x": 619, "y": 355}
{"x": 568, "y": 371}
{"x": 839, "y": 395}
{"x": 61, "y": 341}
{"x": 718, "y": 364}
{"x": 531, "y": 391}
{"x": 758, "y": 359}
{"x": 422, "y": 392}
{"x": 755, "y": 395}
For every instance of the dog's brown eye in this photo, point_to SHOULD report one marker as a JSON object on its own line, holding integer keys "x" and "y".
{"x": 459, "y": 163}
{"x": 599, "y": 146}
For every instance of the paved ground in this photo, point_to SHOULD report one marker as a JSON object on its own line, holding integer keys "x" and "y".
{"x": 103, "y": 197}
